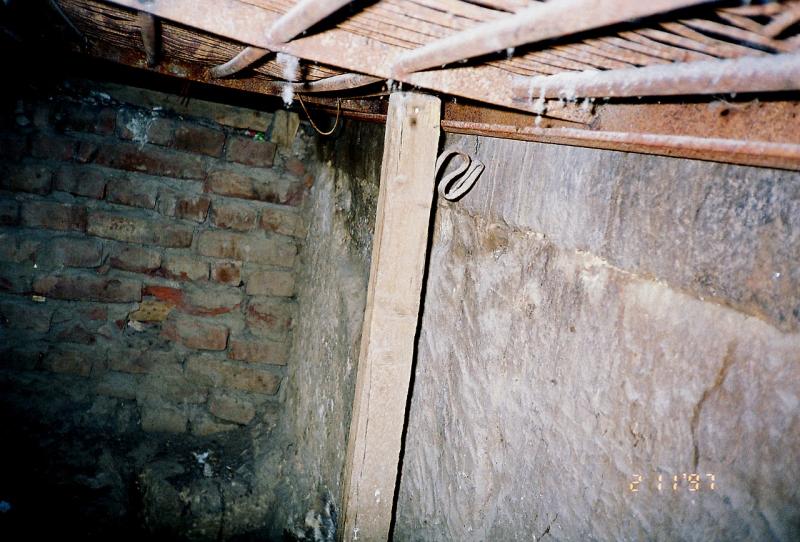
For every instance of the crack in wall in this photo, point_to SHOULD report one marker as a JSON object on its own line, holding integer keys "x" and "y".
{"x": 727, "y": 361}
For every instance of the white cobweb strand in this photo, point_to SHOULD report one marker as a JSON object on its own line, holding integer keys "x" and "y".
{"x": 291, "y": 72}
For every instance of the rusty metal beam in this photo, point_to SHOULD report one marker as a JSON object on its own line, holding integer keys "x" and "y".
{"x": 546, "y": 20}
{"x": 301, "y": 17}
{"x": 747, "y": 74}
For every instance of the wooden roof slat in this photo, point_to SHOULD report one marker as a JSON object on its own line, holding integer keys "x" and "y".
{"x": 637, "y": 58}
{"x": 735, "y": 33}
{"x": 666, "y": 51}
{"x": 548, "y": 20}
{"x": 710, "y": 45}
{"x": 586, "y": 54}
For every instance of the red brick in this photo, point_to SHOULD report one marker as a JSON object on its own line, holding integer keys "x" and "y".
{"x": 136, "y": 259}
{"x": 186, "y": 206}
{"x": 87, "y": 151}
{"x": 234, "y": 216}
{"x": 81, "y": 181}
{"x": 88, "y": 287}
{"x": 258, "y": 351}
{"x": 76, "y": 333}
{"x": 196, "y": 334}
{"x": 199, "y": 139}
{"x": 271, "y": 318}
{"x": 68, "y": 361}
{"x": 272, "y": 282}
{"x": 9, "y": 213}
{"x": 126, "y": 191}
{"x": 238, "y": 246}
{"x": 28, "y": 178}
{"x": 163, "y": 418}
{"x": 184, "y": 268}
{"x": 227, "y": 273}
{"x": 138, "y": 230}
{"x": 139, "y": 361}
{"x": 52, "y": 146}
{"x": 164, "y": 293}
{"x": 284, "y": 222}
{"x": 67, "y": 252}
{"x": 245, "y": 150}
{"x": 232, "y": 375}
{"x": 211, "y": 300}
{"x": 149, "y": 159}
{"x": 231, "y": 408}
{"x": 262, "y": 185}
{"x": 18, "y": 248}
{"x": 54, "y": 216}
{"x": 85, "y": 118}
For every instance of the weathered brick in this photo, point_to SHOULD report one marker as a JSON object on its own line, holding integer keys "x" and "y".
{"x": 86, "y": 152}
{"x": 18, "y": 248}
{"x": 148, "y": 159}
{"x": 245, "y": 150}
{"x": 151, "y": 311}
{"x": 75, "y": 362}
{"x": 88, "y": 287}
{"x": 163, "y": 418}
{"x": 9, "y": 212}
{"x": 258, "y": 351}
{"x": 295, "y": 167}
{"x": 120, "y": 385}
{"x": 143, "y": 127}
{"x": 234, "y": 216}
{"x": 284, "y": 222}
{"x": 15, "y": 278}
{"x": 232, "y": 408}
{"x": 262, "y": 185}
{"x": 27, "y": 178}
{"x": 126, "y": 191}
{"x": 54, "y": 216}
{"x": 139, "y": 361}
{"x": 52, "y": 146}
{"x": 81, "y": 181}
{"x": 167, "y": 381}
{"x": 27, "y": 358}
{"x": 136, "y": 259}
{"x": 85, "y": 118}
{"x": 227, "y": 273}
{"x": 211, "y": 300}
{"x": 232, "y": 375}
{"x": 186, "y": 206}
{"x": 272, "y": 282}
{"x": 164, "y": 293}
{"x": 72, "y": 252}
{"x": 138, "y": 230}
{"x": 238, "y": 246}
{"x": 199, "y": 139}
{"x": 25, "y": 315}
{"x": 270, "y": 317}
{"x": 184, "y": 268}
{"x": 203, "y": 424}
{"x": 196, "y": 334}
{"x": 75, "y": 333}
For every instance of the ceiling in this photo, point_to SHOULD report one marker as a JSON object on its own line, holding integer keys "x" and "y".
{"x": 609, "y": 73}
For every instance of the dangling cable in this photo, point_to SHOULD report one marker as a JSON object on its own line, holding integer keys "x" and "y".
{"x": 336, "y": 122}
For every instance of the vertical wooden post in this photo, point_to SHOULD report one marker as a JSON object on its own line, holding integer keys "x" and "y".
{"x": 391, "y": 316}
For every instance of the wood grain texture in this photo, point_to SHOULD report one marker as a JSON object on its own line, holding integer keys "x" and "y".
{"x": 391, "y": 316}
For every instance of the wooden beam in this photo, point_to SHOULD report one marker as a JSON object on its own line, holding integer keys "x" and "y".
{"x": 302, "y": 16}
{"x": 770, "y": 73}
{"x": 392, "y": 313}
{"x": 546, "y": 20}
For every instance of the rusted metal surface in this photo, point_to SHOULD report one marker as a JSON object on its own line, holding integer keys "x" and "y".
{"x": 747, "y": 74}
{"x": 297, "y": 20}
{"x": 148, "y": 27}
{"x": 540, "y": 22}
{"x": 337, "y": 83}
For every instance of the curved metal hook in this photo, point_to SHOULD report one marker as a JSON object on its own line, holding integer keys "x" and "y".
{"x": 458, "y": 182}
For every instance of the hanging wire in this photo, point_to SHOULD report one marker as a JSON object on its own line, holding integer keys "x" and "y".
{"x": 336, "y": 122}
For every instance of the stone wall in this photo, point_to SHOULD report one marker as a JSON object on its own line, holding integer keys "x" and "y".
{"x": 148, "y": 260}
{"x": 595, "y": 316}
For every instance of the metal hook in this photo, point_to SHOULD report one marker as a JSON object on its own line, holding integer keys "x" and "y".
{"x": 457, "y": 183}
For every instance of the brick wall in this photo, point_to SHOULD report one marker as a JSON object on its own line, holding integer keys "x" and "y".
{"x": 151, "y": 255}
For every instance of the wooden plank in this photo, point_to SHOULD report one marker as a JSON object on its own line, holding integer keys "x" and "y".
{"x": 392, "y": 312}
